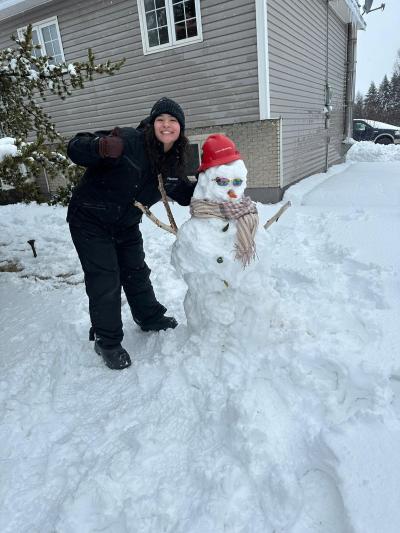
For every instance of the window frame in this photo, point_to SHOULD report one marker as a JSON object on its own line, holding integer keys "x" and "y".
{"x": 199, "y": 140}
{"x": 38, "y": 27}
{"x": 173, "y": 43}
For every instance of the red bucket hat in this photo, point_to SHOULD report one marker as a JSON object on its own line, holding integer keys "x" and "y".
{"x": 218, "y": 150}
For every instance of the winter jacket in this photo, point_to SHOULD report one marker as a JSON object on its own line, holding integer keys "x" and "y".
{"x": 125, "y": 179}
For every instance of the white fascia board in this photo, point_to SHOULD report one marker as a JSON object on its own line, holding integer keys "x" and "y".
{"x": 348, "y": 11}
{"x": 263, "y": 59}
{"x": 9, "y": 8}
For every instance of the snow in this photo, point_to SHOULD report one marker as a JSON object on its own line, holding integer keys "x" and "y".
{"x": 7, "y": 148}
{"x": 368, "y": 151}
{"x": 289, "y": 424}
{"x": 13, "y": 64}
{"x": 72, "y": 69}
{"x": 376, "y": 124}
{"x": 33, "y": 75}
{"x": 8, "y": 3}
{"x": 349, "y": 11}
{"x": 208, "y": 189}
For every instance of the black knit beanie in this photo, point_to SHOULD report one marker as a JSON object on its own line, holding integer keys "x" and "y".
{"x": 166, "y": 105}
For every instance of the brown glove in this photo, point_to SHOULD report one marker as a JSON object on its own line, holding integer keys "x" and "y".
{"x": 112, "y": 145}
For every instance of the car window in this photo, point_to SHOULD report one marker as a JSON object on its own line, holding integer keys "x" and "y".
{"x": 359, "y": 126}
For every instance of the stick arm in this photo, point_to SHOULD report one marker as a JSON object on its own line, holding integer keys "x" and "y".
{"x": 277, "y": 215}
{"x": 154, "y": 219}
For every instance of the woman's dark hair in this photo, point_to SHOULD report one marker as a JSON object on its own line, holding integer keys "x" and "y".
{"x": 161, "y": 161}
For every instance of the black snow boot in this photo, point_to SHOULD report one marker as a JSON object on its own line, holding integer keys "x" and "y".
{"x": 115, "y": 357}
{"x": 160, "y": 323}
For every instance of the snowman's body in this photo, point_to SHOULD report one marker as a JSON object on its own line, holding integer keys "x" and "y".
{"x": 204, "y": 254}
{"x": 207, "y": 246}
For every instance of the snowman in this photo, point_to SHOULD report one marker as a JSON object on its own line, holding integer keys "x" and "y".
{"x": 215, "y": 250}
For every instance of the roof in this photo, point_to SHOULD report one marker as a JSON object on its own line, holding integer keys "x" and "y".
{"x": 348, "y": 11}
{"x": 9, "y": 8}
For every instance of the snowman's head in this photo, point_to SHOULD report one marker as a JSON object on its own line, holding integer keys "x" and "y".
{"x": 223, "y": 183}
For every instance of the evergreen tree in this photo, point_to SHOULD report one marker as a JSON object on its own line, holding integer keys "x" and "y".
{"x": 396, "y": 68}
{"x": 394, "y": 105}
{"x": 358, "y": 107}
{"x": 25, "y": 79}
{"x": 384, "y": 98}
{"x": 371, "y": 103}
{"x": 394, "y": 102}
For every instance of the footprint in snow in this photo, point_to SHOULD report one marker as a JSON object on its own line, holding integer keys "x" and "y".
{"x": 323, "y": 510}
{"x": 333, "y": 384}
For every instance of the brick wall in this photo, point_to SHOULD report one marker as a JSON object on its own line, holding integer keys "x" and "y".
{"x": 259, "y": 144}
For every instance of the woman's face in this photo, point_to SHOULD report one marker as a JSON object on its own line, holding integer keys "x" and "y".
{"x": 167, "y": 130}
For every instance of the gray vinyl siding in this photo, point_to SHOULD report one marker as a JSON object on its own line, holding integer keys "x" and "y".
{"x": 297, "y": 33}
{"x": 215, "y": 80}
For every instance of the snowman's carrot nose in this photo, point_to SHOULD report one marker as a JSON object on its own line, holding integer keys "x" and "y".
{"x": 232, "y": 194}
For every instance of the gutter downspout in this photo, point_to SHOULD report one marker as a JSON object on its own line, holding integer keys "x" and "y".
{"x": 262, "y": 57}
{"x": 327, "y": 114}
{"x": 350, "y": 79}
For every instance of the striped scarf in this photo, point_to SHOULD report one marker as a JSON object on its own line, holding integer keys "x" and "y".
{"x": 244, "y": 212}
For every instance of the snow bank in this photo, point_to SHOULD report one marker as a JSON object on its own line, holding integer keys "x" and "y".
{"x": 368, "y": 151}
{"x": 297, "y": 192}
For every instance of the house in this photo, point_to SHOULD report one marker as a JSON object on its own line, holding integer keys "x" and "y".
{"x": 277, "y": 76}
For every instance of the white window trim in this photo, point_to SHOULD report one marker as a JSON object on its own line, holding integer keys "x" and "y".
{"x": 263, "y": 60}
{"x": 170, "y": 21}
{"x": 41, "y": 24}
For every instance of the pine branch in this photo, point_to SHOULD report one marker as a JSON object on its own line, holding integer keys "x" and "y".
{"x": 24, "y": 78}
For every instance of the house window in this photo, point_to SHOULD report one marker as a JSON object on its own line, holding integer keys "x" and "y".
{"x": 169, "y": 23}
{"x": 46, "y": 34}
{"x": 193, "y": 159}
{"x": 195, "y": 148}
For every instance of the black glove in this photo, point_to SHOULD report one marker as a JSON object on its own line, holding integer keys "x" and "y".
{"x": 112, "y": 145}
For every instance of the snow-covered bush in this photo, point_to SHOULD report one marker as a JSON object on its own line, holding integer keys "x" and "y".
{"x": 25, "y": 79}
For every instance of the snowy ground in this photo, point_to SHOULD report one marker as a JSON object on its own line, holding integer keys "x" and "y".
{"x": 301, "y": 437}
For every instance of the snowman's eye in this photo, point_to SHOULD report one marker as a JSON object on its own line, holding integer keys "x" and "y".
{"x": 223, "y": 182}
{"x": 237, "y": 182}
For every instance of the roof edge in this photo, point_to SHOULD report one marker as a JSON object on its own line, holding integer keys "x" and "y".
{"x": 348, "y": 11}
{"x": 10, "y": 8}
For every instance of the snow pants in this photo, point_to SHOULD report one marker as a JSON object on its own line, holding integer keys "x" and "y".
{"x": 109, "y": 244}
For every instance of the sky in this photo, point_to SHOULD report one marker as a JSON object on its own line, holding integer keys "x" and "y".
{"x": 378, "y": 45}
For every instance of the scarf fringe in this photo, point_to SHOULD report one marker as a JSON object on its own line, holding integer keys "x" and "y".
{"x": 246, "y": 215}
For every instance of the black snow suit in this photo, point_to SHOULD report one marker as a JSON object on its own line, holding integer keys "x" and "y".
{"x": 104, "y": 227}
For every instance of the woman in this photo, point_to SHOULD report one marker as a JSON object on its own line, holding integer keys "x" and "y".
{"x": 122, "y": 166}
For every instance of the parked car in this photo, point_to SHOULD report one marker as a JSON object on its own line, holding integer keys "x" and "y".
{"x": 378, "y": 132}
